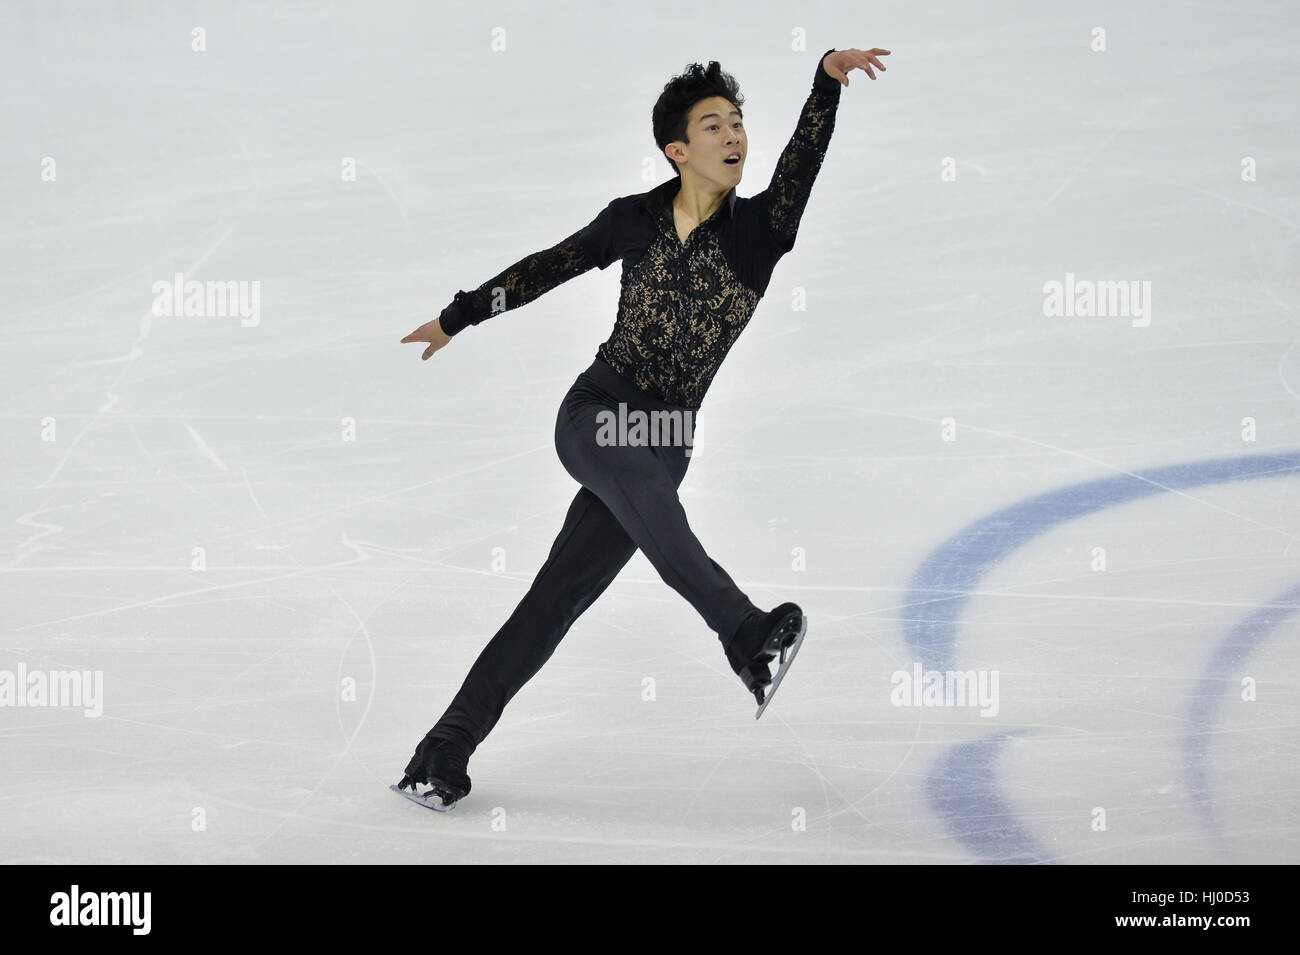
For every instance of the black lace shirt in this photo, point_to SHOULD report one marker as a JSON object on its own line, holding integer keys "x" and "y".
{"x": 683, "y": 304}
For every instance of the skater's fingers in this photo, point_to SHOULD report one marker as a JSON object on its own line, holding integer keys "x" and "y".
{"x": 862, "y": 62}
{"x": 427, "y": 352}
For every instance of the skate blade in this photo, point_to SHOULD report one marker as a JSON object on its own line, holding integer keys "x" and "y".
{"x": 787, "y": 659}
{"x": 428, "y": 799}
{"x": 757, "y": 677}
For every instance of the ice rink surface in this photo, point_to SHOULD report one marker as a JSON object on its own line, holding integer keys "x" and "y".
{"x": 281, "y": 539}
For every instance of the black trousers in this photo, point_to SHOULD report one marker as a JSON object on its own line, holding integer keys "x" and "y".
{"x": 628, "y": 500}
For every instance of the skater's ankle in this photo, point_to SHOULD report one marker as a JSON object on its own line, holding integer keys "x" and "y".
{"x": 751, "y": 615}
{"x": 453, "y": 739}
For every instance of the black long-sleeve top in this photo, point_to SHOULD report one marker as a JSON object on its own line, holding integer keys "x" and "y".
{"x": 682, "y": 305}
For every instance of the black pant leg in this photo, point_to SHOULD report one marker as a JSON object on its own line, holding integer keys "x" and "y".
{"x": 587, "y": 555}
{"x": 639, "y": 486}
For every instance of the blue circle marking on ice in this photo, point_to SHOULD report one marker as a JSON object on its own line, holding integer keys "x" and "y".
{"x": 1223, "y": 673}
{"x": 964, "y": 790}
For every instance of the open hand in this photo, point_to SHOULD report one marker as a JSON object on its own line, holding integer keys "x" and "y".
{"x": 432, "y": 333}
{"x": 840, "y": 63}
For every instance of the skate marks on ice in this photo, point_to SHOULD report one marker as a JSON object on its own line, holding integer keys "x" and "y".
{"x": 964, "y": 790}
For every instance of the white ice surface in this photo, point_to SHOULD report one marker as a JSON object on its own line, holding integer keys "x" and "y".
{"x": 372, "y": 560}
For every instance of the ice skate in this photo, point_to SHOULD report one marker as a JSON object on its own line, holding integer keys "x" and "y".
{"x": 440, "y": 765}
{"x": 761, "y": 638}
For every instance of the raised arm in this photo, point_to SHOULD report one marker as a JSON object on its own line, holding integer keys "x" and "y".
{"x": 796, "y": 170}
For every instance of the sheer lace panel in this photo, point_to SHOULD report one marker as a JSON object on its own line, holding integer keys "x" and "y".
{"x": 680, "y": 311}
{"x": 530, "y": 277}
{"x": 800, "y": 161}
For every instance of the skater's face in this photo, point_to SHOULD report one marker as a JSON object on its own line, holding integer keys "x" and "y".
{"x": 716, "y": 131}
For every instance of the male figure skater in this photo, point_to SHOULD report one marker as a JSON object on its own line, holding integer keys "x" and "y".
{"x": 696, "y": 260}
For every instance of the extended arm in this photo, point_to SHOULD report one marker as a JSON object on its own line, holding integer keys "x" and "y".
{"x": 800, "y": 161}
{"x": 530, "y": 277}
{"x": 592, "y": 246}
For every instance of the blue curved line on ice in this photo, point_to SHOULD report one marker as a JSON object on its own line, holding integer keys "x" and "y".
{"x": 938, "y": 592}
{"x": 936, "y": 597}
{"x": 963, "y": 789}
{"x": 1209, "y": 692}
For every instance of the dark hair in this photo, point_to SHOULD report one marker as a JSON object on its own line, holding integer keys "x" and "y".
{"x": 680, "y": 95}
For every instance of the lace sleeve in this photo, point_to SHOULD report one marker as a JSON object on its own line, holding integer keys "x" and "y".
{"x": 792, "y": 181}
{"x": 529, "y": 278}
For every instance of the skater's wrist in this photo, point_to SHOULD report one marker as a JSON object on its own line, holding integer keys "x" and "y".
{"x": 823, "y": 80}
{"x": 456, "y": 316}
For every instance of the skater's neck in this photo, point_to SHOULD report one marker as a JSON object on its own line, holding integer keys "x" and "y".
{"x": 697, "y": 198}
